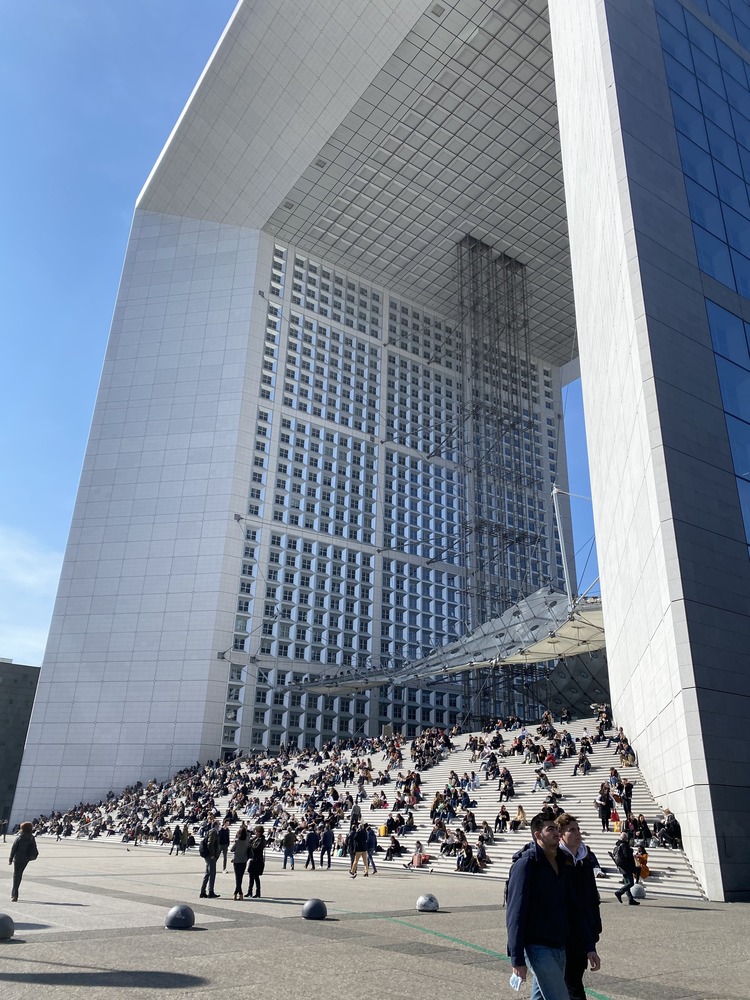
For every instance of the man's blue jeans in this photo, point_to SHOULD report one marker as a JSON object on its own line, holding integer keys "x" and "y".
{"x": 548, "y": 966}
{"x": 289, "y": 856}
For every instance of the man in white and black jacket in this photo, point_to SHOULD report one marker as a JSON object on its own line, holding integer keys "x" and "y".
{"x": 544, "y": 913}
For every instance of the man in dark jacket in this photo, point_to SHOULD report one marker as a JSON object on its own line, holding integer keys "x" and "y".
{"x": 623, "y": 858}
{"x": 288, "y": 843}
{"x": 210, "y": 852}
{"x": 24, "y": 849}
{"x": 312, "y": 843}
{"x": 543, "y": 913}
{"x": 582, "y": 865}
{"x": 327, "y": 840}
{"x": 224, "y": 836}
{"x": 372, "y": 846}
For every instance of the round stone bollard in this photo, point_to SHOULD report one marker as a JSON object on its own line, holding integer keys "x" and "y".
{"x": 180, "y": 918}
{"x": 315, "y": 909}
{"x": 638, "y": 891}
{"x": 428, "y": 903}
{"x": 7, "y": 927}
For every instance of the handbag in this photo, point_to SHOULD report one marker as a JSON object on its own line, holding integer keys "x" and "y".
{"x": 614, "y": 816}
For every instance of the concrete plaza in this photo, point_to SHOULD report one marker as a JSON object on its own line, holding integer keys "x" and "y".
{"x": 90, "y": 923}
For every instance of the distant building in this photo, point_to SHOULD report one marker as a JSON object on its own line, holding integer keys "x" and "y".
{"x": 17, "y": 690}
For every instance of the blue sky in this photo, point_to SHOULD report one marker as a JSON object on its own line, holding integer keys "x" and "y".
{"x": 90, "y": 91}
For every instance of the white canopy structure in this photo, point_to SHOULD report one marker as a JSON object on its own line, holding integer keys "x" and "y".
{"x": 542, "y": 627}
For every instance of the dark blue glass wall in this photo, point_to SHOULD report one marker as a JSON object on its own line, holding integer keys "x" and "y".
{"x": 709, "y": 82}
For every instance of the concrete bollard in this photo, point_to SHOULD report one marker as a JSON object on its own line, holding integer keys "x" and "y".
{"x": 180, "y": 918}
{"x": 315, "y": 909}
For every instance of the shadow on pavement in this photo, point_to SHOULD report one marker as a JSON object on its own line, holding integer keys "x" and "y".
{"x": 48, "y": 902}
{"x": 114, "y": 979}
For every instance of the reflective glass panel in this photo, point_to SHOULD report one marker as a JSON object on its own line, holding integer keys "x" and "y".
{"x": 739, "y": 439}
{"x": 735, "y": 388}
{"x": 728, "y": 334}
{"x": 713, "y": 256}
{"x": 705, "y": 209}
{"x": 741, "y": 267}
{"x": 743, "y": 488}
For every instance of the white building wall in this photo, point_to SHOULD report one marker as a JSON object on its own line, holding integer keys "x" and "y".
{"x": 132, "y": 686}
{"x": 668, "y": 528}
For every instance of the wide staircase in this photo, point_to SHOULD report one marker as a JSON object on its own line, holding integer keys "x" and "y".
{"x": 671, "y": 873}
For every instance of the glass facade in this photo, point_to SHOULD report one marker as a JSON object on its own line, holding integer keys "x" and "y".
{"x": 709, "y": 80}
{"x": 731, "y": 341}
{"x": 358, "y": 503}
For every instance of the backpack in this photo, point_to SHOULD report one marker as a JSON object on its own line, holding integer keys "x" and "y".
{"x": 516, "y": 857}
{"x": 203, "y": 847}
{"x": 619, "y": 855}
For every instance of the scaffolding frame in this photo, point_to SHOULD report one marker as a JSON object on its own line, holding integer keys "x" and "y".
{"x": 500, "y": 457}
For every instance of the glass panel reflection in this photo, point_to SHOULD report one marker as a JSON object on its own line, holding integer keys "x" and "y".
{"x": 735, "y": 388}
{"x": 739, "y": 439}
{"x": 728, "y": 334}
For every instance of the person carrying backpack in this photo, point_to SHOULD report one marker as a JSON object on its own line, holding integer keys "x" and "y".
{"x": 23, "y": 851}
{"x": 623, "y": 858}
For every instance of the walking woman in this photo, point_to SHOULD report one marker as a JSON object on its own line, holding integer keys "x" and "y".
{"x": 240, "y": 855}
{"x": 176, "y": 841}
{"x": 24, "y": 849}
{"x": 604, "y": 804}
{"x": 257, "y": 861}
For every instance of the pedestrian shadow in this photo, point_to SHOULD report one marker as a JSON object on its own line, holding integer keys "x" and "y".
{"x": 690, "y": 909}
{"x": 279, "y": 902}
{"x": 48, "y": 902}
{"x": 113, "y": 979}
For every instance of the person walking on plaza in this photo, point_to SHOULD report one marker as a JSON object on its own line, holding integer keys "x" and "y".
{"x": 623, "y": 858}
{"x": 288, "y": 842}
{"x": 543, "y": 914}
{"x": 257, "y": 861}
{"x": 224, "y": 839}
{"x": 583, "y": 866}
{"x": 23, "y": 851}
{"x": 176, "y": 840}
{"x": 359, "y": 843}
{"x": 210, "y": 853}
{"x": 372, "y": 846}
{"x": 312, "y": 843}
{"x": 240, "y": 856}
{"x": 326, "y": 844}
{"x": 3, "y": 828}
